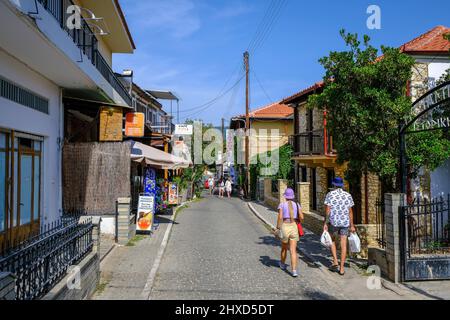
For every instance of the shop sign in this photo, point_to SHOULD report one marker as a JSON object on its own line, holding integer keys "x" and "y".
{"x": 134, "y": 124}
{"x": 145, "y": 213}
{"x": 184, "y": 129}
{"x": 111, "y": 121}
{"x": 173, "y": 193}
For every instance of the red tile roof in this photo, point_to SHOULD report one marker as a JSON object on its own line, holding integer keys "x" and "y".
{"x": 431, "y": 42}
{"x": 315, "y": 86}
{"x": 272, "y": 111}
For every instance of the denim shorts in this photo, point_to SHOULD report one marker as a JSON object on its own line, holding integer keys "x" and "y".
{"x": 335, "y": 231}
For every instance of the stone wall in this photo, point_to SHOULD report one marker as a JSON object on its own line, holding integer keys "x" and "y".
{"x": 367, "y": 234}
{"x": 389, "y": 259}
{"x": 321, "y": 189}
{"x": 314, "y": 222}
{"x": 419, "y": 80}
{"x": 303, "y": 195}
{"x": 89, "y": 277}
{"x": 7, "y": 286}
{"x": 126, "y": 226}
{"x": 374, "y": 193}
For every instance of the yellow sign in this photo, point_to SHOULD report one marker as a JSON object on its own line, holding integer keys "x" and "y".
{"x": 134, "y": 124}
{"x": 111, "y": 123}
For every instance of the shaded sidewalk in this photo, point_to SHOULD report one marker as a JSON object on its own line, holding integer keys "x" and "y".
{"x": 354, "y": 284}
{"x": 125, "y": 272}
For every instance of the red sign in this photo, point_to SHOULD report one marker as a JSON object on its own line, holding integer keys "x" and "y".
{"x": 134, "y": 124}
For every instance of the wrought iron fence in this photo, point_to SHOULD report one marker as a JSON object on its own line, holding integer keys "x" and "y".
{"x": 39, "y": 262}
{"x": 380, "y": 221}
{"x": 427, "y": 226}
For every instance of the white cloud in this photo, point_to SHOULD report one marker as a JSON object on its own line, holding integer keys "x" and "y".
{"x": 177, "y": 17}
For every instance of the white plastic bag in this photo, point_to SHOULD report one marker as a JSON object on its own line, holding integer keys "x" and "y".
{"x": 325, "y": 239}
{"x": 354, "y": 243}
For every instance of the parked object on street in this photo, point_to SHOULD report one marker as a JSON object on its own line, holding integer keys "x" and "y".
{"x": 289, "y": 215}
{"x": 354, "y": 243}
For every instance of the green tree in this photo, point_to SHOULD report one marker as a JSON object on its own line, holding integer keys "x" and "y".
{"x": 194, "y": 174}
{"x": 365, "y": 98}
{"x": 446, "y": 75}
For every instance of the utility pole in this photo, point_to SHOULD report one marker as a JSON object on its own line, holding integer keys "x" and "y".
{"x": 223, "y": 139}
{"x": 247, "y": 125}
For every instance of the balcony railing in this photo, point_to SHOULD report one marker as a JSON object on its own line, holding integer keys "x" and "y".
{"x": 85, "y": 39}
{"x": 162, "y": 127}
{"x": 311, "y": 143}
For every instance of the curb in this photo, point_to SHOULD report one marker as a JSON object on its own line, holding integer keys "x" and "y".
{"x": 146, "y": 293}
{"x": 299, "y": 249}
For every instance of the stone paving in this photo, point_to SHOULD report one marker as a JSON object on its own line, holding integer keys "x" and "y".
{"x": 354, "y": 282}
{"x": 124, "y": 272}
{"x": 220, "y": 249}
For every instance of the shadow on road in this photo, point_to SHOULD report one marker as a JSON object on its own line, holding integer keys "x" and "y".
{"x": 318, "y": 295}
{"x": 163, "y": 220}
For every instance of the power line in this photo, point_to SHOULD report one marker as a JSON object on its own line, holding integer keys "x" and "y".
{"x": 269, "y": 26}
{"x": 261, "y": 86}
{"x": 207, "y": 106}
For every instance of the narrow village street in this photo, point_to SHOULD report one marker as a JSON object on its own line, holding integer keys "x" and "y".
{"x": 218, "y": 249}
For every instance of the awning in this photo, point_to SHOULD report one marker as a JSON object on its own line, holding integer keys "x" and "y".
{"x": 156, "y": 158}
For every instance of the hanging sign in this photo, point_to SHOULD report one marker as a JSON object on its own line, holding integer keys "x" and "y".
{"x": 110, "y": 128}
{"x": 145, "y": 213}
{"x": 184, "y": 129}
{"x": 134, "y": 124}
{"x": 173, "y": 193}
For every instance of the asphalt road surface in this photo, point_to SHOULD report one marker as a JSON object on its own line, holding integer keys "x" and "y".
{"x": 219, "y": 250}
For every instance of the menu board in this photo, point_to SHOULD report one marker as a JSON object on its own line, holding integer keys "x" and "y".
{"x": 145, "y": 213}
{"x": 173, "y": 193}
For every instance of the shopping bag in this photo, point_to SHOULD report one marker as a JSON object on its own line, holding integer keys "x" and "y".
{"x": 354, "y": 243}
{"x": 326, "y": 240}
{"x": 301, "y": 232}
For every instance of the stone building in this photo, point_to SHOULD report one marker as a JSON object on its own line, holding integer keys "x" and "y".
{"x": 315, "y": 157}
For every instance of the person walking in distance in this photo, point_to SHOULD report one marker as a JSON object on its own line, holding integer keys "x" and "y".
{"x": 289, "y": 214}
{"x": 339, "y": 221}
{"x": 228, "y": 187}
{"x": 221, "y": 187}
{"x": 211, "y": 185}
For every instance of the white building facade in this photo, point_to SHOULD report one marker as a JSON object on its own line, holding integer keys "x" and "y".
{"x": 41, "y": 61}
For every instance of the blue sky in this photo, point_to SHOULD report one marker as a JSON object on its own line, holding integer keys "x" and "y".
{"x": 193, "y": 47}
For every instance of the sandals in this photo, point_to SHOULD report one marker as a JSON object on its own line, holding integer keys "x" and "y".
{"x": 341, "y": 274}
{"x": 334, "y": 268}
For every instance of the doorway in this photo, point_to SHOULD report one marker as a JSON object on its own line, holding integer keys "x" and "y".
{"x": 20, "y": 187}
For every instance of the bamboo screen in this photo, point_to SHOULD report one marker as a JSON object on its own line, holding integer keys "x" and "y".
{"x": 95, "y": 175}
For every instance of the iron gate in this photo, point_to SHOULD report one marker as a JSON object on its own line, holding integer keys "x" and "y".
{"x": 425, "y": 239}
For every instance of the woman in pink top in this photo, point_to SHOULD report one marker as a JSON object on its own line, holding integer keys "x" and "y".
{"x": 289, "y": 214}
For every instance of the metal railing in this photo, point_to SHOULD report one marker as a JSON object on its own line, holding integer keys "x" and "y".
{"x": 85, "y": 39}
{"x": 427, "y": 226}
{"x": 380, "y": 222}
{"x": 162, "y": 127}
{"x": 310, "y": 143}
{"x": 40, "y": 262}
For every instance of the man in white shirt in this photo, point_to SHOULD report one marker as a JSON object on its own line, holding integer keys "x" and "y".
{"x": 339, "y": 221}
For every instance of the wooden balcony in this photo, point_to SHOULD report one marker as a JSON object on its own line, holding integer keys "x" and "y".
{"x": 310, "y": 143}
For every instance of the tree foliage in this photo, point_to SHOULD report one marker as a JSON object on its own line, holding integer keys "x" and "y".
{"x": 365, "y": 98}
